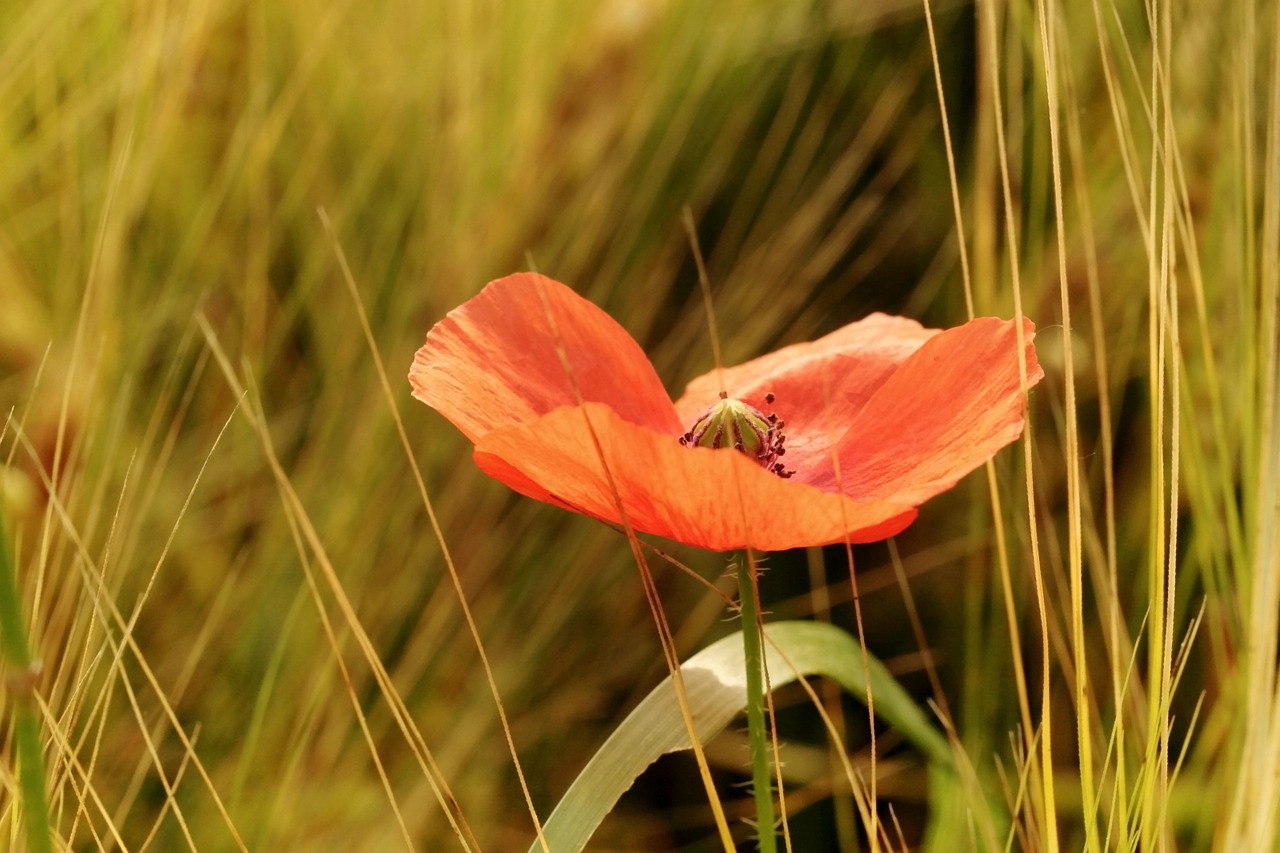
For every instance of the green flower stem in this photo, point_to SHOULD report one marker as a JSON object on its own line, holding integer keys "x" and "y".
{"x": 758, "y": 732}
{"x": 20, "y": 685}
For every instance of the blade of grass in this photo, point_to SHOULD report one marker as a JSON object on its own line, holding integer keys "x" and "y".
{"x": 1084, "y": 728}
{"x": 349, "y": 279}
{"x": 22, "y": 678}
{"x": 717, "y": 692}
{"x": 1044, "y": 735}
{"x": 307, "y": 533}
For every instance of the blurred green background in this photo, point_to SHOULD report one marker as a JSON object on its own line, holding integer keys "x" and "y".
{"x": 162, "y": 172}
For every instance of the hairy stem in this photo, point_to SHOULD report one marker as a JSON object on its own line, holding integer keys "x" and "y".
{"x": 758, "y": 733}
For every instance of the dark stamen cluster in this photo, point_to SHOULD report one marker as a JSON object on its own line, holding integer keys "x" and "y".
{"x": 732, "y": 423}
{"x": 775, "y": 444}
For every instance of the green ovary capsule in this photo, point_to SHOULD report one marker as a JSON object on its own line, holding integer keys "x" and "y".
{"x": 731, "y": 423}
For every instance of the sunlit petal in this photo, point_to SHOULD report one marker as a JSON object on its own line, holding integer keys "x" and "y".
{"x": 493, "y": 361}
{"x": 944, "y": 412}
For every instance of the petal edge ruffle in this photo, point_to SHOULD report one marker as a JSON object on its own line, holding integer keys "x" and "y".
{"x": 943, "y": 413}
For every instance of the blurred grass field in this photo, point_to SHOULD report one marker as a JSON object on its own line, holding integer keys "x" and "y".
{"x": 217, "y": 534}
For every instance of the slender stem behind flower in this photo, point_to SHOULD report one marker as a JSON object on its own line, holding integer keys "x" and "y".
{"x": 753, "y": 652}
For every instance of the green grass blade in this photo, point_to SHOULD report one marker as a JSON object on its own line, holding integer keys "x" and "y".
{"x": 715, "y": 681}
{"x": 24, "y": 675}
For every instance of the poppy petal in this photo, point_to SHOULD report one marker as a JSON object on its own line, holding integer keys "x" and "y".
{"x": 818, "y": 387}
{"x": 715, "y": 499}
{"x": 944, "y": 412}
{"x": 511, "y": 477}
{"x": 493, "y": 361}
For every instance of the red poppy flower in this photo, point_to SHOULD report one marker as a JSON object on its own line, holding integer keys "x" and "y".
{"x": 878, "y": 417}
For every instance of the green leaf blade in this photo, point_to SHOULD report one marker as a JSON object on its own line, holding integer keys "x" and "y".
{"x": 715, "y": 683}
